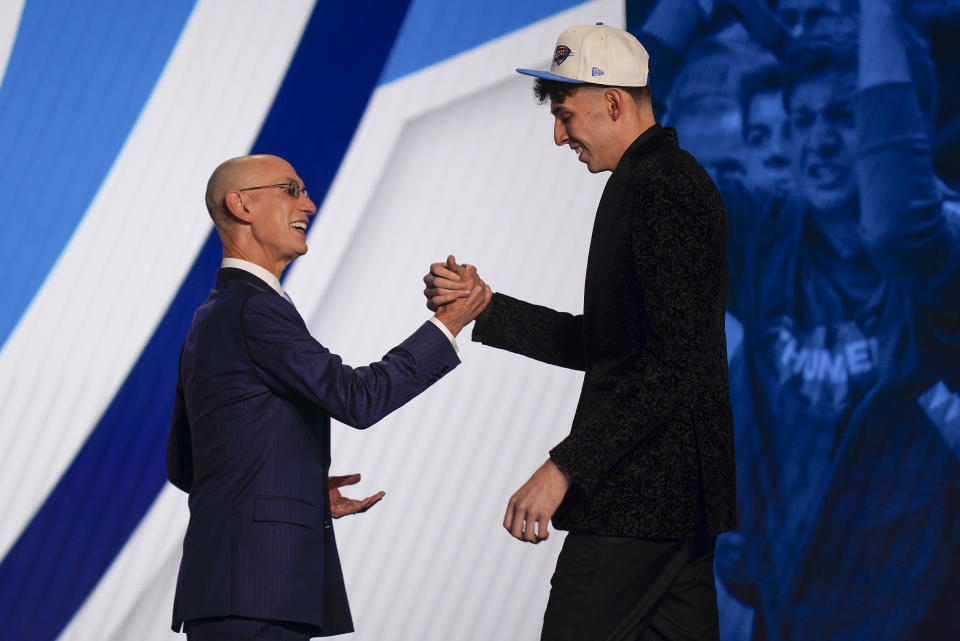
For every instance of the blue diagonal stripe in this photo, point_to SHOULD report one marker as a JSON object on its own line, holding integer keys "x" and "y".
{"x": 116, "y": 476}
{"x": 78, "y": 76}
{"x": 435, "y": 30}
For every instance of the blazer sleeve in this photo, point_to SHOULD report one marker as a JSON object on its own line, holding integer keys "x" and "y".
{"x": 679, "y": 251}
{"x": 179, "y": 446}
{"x": 531, "y": 330}
{"x": 293, "y": 363}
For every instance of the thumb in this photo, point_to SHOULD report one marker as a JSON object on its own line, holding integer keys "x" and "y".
{"x": 453, "y": 266}
{"x": 340, "y": 481}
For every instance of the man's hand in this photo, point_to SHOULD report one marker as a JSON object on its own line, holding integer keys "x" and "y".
{"x": 448, "y": 282}
{"x": 533, "y": 505}
{"x": 341, "y": 505}
{"x": 456, "y": 293}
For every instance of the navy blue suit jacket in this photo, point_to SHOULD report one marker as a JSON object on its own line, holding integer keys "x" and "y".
{"x": 250, "y": 442}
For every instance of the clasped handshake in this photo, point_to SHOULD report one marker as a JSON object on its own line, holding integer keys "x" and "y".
{"x": 455, "y": 293}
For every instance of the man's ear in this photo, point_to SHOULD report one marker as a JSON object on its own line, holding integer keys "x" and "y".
{"x": 236, "y": 207}
{"x": 613, "y": 102}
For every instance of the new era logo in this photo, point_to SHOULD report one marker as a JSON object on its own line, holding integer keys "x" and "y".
{"x": 596, "y": 71}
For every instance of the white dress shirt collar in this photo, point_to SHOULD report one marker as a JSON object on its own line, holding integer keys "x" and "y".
{"x": 263, "y": 274}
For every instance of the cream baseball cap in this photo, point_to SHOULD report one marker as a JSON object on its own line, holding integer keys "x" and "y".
{"x": 597, "y": 54}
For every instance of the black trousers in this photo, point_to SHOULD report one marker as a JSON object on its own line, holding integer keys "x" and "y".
{"x": 608, "y": 588}
{"x": 245, "y": 629}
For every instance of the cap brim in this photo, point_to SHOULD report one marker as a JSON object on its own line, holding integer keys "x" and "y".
{"x": 546, "y": 75}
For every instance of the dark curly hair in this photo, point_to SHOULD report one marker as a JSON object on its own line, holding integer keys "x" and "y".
{"x": 558, "y": 91}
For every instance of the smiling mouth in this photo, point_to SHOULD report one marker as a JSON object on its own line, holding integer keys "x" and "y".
{"x": 299, "y": 226}
{"x": 578, "y": 149}
{"x": 826, "y": 174}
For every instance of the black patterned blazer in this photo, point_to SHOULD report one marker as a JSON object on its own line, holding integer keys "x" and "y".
{"x": 650, "y": 451}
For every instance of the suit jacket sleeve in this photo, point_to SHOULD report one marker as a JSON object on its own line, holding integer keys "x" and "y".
{"x": 531, "y": 330}
{"x": 679, "y": 249}
{"x": 179, "y": 450}
{"x": 294, "y": 364}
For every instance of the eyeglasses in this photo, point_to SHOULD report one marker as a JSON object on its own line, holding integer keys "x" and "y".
{"x": 292, "y": 188}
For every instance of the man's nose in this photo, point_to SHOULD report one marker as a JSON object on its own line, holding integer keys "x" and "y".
{"x": 309, "y": 206}
{"x": 780, "y": 144}
{"x": 560, "y": 136}
{"x": 825, "y": 138}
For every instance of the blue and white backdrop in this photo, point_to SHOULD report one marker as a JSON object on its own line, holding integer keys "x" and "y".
{"x": 408, "y": 123}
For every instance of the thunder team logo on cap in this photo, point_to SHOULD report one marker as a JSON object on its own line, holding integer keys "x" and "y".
{"x": 599, "y": 55}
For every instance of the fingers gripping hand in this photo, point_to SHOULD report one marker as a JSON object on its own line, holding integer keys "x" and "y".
{"x": 462, "y": 311}
{"x": 446, "y": 283}
{"x": 341, "y": 505}
{"x": 532, "y": 506}
{"x": 456, "y": 308}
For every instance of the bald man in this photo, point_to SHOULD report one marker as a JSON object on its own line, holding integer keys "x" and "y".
{"x": 250, "y": 434}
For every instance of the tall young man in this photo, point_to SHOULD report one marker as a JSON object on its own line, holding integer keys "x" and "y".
{"x": 645, "y": 479}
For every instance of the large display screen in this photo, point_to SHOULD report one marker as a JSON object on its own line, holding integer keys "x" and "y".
{"x": 830, "y": 127}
